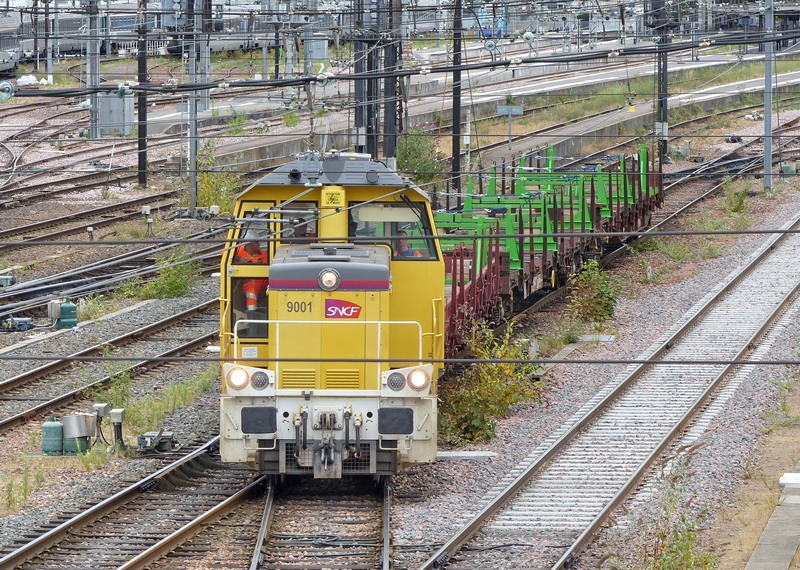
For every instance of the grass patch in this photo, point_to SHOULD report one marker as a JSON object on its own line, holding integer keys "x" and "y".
{"x": 148, "y": 413}
{"x": 22, "y": 476}
{"x": 569, "y": 332}
{"x": 140, "y": 229}
{"x": 472, "y": 403}
{"x": 97, "y": 457}
{"x": 92, "y": 307}
{"x": 178, "y": 271}
{"x": 674, "y": 534}
{"x": 236, "y": 124}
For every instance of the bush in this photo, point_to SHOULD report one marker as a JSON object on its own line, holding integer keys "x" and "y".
{"x": 486, "y": 391}
{"x": 418, "y": 155}
{"x": 215, "y": 186}
{"x": 593, "y": 296}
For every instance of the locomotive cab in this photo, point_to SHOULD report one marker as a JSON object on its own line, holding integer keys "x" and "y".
{"x": 329, "y": 374}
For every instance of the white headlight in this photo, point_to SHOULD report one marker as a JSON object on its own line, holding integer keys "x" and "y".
{"x": 328, "y": 279}
{"x": 419, "y": 379}
{"x": 238, "y": 378}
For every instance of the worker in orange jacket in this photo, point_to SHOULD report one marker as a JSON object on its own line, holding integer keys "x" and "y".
{"x": 252, "y": 288}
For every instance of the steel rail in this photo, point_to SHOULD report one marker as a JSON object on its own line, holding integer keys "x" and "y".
{"x": 169, "y": 543}
{"x": 586, "y": 536}
{"x": 82, "y": 392}
{"x": 99, "y": 510}
{"x": 97, "y": 349}
{"x": 456, "y": 542}
{"x": 7, "y": 234}
{"x": 386, "y": 549}
{"x": 257, "y": 558}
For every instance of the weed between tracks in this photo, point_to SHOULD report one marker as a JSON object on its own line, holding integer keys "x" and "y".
{"x": 148, "y": 413}
{"x": 178, "y": 271}
{"x": 667, "y": 258}
{"x": 674, "y": 532}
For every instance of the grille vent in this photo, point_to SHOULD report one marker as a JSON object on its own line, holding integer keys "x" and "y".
{"x": 343, "y": 379}
{"x": 298, "y": 378}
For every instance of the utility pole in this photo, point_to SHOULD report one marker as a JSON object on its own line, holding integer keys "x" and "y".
{"x": 141, "y": 97}
{"x": 264, "y": 49}
{"x": 277, "y": 51}
{"x": 456, "y": 173}
{"x": 47, "y": 42}
{"x": 93, "y": 70}
{"x": 107, "y": 26}
{"x": 769, "y": 50}
{"x": 193, "y": 147}
{"x": 360, "y": 68}
{"x": 662, "y": 120}
{"x": 392, "y": 49}
{"x": 205, "y": 53}
{"x": 35, "y": 25}
{"x": 56, "y": 41}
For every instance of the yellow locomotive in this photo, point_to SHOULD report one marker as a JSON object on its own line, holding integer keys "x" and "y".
{"x": 332, "y": 299}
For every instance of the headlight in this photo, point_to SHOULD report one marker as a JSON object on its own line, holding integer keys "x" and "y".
{"x": 396, "y": 381}
{"x": 237, "y": 378}
{"x": 328, "y": 279}
{"x": 419, "y": 379}
{"x": 259, "y": 380}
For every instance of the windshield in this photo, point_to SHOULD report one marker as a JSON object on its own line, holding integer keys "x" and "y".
{"x": 405, "y": 222}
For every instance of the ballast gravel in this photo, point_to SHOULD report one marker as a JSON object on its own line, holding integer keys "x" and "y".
{"x": 69, "y": 486}
{"x": 431, "y": 501}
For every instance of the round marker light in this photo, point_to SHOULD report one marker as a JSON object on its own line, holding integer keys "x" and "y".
{"x": 419, "y": 379}
{"x": 237, "y": 378}
{"x": 396, "y": 381}
{"x": 259, "y": 380}
{"x": 328, "y": 280}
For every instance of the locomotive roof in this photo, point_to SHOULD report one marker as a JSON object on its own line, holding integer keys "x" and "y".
{"x": 335, "y": 168}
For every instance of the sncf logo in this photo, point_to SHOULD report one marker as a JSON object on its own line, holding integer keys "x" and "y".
{"x": 339, "y": 309}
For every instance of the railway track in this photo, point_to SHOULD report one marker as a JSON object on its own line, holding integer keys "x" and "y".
{"x": 96, "y": 218}
{"x": 325, "y": 524}
{"x": 551, "y": 505}
{"x": 50, "y": 386}
{"x": 134, "y": 525}
{"x": 31, "y": 297}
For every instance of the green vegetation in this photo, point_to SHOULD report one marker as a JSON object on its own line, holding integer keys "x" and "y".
{"x": 674, "y": 540}
{"x": 471, "y": 404}
{"x": 92, "y": 307}
{"x": 418, "y": 155}
{"x": 784, "y": 415}
{"x": 735, "y": 201}
{"x": 96, "y": 457}
{"x": 290, "y": 119}
{"x": 175, "y": 278}
{"x": 107, "y": 194}
{"x": 148, "y": 413}
{"x": 216, "y": 186}
{"x": 593, "y": 295}
{"x": 18, "y": 481}
{"x": 569, "y": 332}
{"x": 236, "y": 124}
